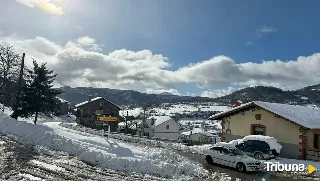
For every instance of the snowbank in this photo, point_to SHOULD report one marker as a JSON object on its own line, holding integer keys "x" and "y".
{"x": 136, "y": 139}
{"x": 104, "y": 153}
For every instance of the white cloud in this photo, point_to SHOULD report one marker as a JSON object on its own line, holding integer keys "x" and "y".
{"x": 267, "y": 29}
{"x": 159, "y": 91}
{"x": 45, "y": 5}
{"x": 249, "y": 42}
{"x": 82, "y": 63}
{"x": 218, "y": 92}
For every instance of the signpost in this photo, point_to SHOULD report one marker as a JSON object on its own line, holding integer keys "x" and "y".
{"x": 105, "y": 120}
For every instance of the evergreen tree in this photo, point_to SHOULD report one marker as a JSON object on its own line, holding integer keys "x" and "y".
{"x": 38, "y": 94}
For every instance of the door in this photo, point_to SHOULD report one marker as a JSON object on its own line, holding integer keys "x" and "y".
{"x": 215, "y": 154}
{"x": 227, "y": 158}
{"x": 246, "y": 147}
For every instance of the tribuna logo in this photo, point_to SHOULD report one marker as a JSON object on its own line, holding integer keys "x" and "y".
{"x": 280, "y": 167}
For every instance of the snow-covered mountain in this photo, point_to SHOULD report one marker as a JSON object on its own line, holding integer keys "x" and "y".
{"x": 124, "y": 97}
{"x": 307, "y": 95}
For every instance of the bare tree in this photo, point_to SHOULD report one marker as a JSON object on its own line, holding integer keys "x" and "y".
{"x": 9, "y": 66}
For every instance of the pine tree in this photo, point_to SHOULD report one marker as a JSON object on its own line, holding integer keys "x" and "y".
{"x": 38, "y": 94}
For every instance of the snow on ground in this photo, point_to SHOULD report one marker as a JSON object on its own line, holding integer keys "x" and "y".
{"x": 131, "y": 112}
{"x": 44, "y": 118}
{"x": 19, "y": 162}
{"x": 175, "y": 108}
{"x": 212, "y": 123}
{"x": 185, "y": 108}
{"x": 137, "y": 139}
{"x": 104, "y": 153}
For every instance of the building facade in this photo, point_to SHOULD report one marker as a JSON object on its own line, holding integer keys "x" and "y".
{"x": 86, "y": 112}
{"x": 289, "y": 124}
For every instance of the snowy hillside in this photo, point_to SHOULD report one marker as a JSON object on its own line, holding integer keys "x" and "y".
{"x": 171, "y": 109}
{"x": 44, "y": 118}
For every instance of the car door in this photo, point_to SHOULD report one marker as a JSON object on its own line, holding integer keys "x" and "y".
{"x": 228, "y": 159}
{"x": 216, "y": 154}
{"x": 247, "y": 147}
{"x": 261, "y": 146}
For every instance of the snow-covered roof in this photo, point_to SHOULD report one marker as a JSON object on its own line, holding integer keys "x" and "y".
{"x": 94, "y": 99}
{"x": 62, "y": 100}
{"x": 124, "y": 123}
{"x": 85, "y": 102}
{"x": 302, "y": 115}
{"x": 197, "y": 131}
{"x": 160, "y": 119}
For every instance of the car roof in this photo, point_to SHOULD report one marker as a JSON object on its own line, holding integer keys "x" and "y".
{"x": 223, "y": 146}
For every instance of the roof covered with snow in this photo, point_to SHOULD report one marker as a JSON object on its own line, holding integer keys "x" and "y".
{"x": 160, "y": 119}
{"x": 92, "y": 100}
{"x": 62, "y": 100}
{"x": 302, "y": 115}
{"x": 197, "y": 131}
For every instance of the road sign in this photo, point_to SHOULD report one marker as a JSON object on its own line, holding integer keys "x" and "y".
{"x": 104, "y": 118}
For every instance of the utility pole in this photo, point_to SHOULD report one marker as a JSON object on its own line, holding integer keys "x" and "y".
{"x": 127, "y": 122}
{"x": 15, "y": 116}
{"x": 144, "y": 119}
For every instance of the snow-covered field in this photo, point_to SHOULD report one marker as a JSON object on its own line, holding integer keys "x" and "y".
{"x": 175, "y": 108}
{"x": 104, "y": 153}
{"x": 136, "y": 139}
{"x": 21, "y": 162}
{"x": 69, "y": 118}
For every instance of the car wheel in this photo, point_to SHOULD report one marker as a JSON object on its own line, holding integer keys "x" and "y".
{"x": 209, "y": 159}
{"x": 258, "y": 156}
{"x": 241, "y": 167}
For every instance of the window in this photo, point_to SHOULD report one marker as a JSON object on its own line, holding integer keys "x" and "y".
{"x": 258, "y": 129}
{"x": 262, "y": 144}
{"x": 258, "y": 116}
{"x": 249, "y": 143}
{"x": 226, "y": 151}
{"x": 167, "y": 126}
{"x": 316, "y": 141}
{"x": 216, "y": 149}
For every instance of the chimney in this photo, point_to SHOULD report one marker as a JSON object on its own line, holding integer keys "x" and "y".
{"x": 89, "y": 98}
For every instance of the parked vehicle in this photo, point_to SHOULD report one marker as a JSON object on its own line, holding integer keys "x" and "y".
{"x": 260, "y": 147}
{"x": 232, "y": 157}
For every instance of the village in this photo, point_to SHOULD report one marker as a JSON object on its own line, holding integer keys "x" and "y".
{"x": 159, "y": 90}
{"x": 300, "y": 141}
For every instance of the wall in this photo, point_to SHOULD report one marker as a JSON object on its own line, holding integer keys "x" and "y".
{"x": 172, "y": 133}
{"x": 285, "y": 132}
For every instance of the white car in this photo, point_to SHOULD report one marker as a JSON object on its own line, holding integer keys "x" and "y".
{"x": 232, "y": 157}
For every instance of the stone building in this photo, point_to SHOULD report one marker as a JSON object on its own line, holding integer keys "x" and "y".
{"x": 86, "y": 112}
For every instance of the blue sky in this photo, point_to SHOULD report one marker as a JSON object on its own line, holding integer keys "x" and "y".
{"x": 224, "y": 41}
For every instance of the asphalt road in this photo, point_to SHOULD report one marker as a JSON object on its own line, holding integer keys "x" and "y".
{"x": 249, "y": 176}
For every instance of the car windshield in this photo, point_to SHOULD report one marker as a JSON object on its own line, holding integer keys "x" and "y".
{"x": 236, "y": 152}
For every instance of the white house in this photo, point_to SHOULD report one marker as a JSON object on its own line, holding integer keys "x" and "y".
{"x": 161, "y": 127}
{"x": 197, "y": 135}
